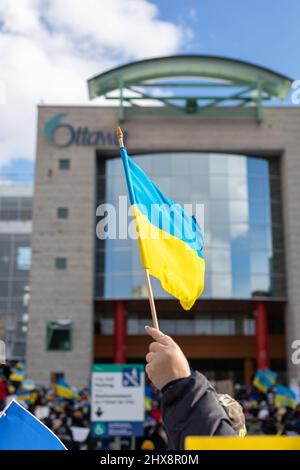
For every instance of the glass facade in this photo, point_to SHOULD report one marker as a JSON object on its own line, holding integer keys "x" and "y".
{"x": 204, "y": 324}
{"x": 242, "y": 223}
{"x": 15, "y": 263}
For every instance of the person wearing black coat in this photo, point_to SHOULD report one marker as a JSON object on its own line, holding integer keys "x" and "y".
{"x": 190, "y": 405}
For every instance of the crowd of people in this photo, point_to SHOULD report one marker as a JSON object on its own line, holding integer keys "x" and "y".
{"x": 264, "y": 416}
{"x": 69, "y": 418}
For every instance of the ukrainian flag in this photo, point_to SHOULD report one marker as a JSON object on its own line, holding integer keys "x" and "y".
{"x": 170, "y": 241}
{"x": 284, "y": 396}
{"x": 264, "y": 379}
{"x": 28, "y": 385}
{"x": 24, "y": 395}
{"x": 17, "y": 375}
{"x": 63, "y": 390}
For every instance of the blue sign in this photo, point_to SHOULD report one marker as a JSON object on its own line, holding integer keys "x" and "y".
{"x": 131, "y": 377}
{"x": 63, "y": 135}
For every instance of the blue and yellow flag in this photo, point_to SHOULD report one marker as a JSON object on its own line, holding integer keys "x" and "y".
{"x": 170, "y": 240}
{"x": 25, "y": 395}
{"x": 264, "y": 380}
{"x": 28, "y": 385}
{"x": 284, "y": 396}
{"x": 63, "y": 390}
{"x": 17, "y": 375}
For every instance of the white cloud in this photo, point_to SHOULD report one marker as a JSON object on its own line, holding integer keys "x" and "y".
{"x": 48, "y": 49}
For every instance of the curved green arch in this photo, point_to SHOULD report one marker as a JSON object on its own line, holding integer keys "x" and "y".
{"x": 217, "y": 68}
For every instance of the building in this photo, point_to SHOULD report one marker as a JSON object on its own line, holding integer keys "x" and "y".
{"x": 202, "y": 129}
{"x": 15, "y": 262}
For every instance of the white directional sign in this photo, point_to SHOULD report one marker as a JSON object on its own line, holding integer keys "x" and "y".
{"x": 118, "y": 392}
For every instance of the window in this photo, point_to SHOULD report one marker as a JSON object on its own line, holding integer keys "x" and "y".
{"x": 23, "y": 258}
{"x": 62, "y": 212}
{"x": 61, "y": 263}
{"x": 64, "y": 164}
{"x": 59, "y": 336}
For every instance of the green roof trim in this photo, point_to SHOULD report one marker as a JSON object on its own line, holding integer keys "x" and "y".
{"x": 211, "y": 67}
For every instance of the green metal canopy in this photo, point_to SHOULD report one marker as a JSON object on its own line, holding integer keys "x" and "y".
{"x": 250, "y": 83}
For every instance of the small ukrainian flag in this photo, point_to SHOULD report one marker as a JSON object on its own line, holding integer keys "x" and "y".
{"x": 285, "y": 396}
{"x": 63, "y": 390}
{"x": 264, "y": 380}
{"x": 170, "y": 240}
{"x": 17, "y": 375}
{"x": 24, "y": 395}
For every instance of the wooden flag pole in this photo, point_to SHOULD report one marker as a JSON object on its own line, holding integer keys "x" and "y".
{"x": 148, "y": 280}
{"x": 151, "y": 299}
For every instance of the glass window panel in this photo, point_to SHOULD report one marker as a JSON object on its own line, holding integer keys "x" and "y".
{"x": 118, "y": 286}
{"x": 219, "y": 187}
{"x": 260, "y": 238}
{"x": 237, "y": 165}
{"x": 64, "y": 164}
{"x": 5, "y": 245}
{"x": 240, "y": 261}
{"x": 260, "y": 262}
{"x": 161, "y": 164}
{"x": 5, "y": 263}
{"x": 26, "y": 202}
{"x": 238, "y": 187}
{"x": 180, "y": 188}
{"x": 118, "y": 261}
{"x": 249, "y": 326}
{"x": 257, "y": 167}
{"x": 61, "y": 263}
{"x": 133, "y": 326}
{"x": 185, "y": 327}
{"x": 223, "y": 327}
{"x": 239, "y": 213}
{"x": 258, "y": 189}
{"x": 62, "y": 212}
{"x": 218, "y": 163}
{"x": 199, "y": 163}
{"x": 207, "y": 285}
{"x": 220, "y": 261}
{"x": 260, "y": 284}
{"x": 180, "y": 165}
{"x": 220, "y": 237}
{"x": 199, "y": 188}
{"x": 239, "y": 234}
{"x": 219, "y": 212}
{"x": 203, "y": 326}
{"x": 19, "y": 288}
{"x": 107, "y": 326}
{"x": 259, "y": 213}
{"x": 10, "y": 203}
{"x": 241, "y": 285}
{"x": 4, "y": 288}
{"x": 221, "y": 285}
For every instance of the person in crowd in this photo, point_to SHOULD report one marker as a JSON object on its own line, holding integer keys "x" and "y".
{"x": 190, "y": 405}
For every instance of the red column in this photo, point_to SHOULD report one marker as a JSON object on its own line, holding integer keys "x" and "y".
{"x": 262, "y": 336}
{"x": 119, "y": 333}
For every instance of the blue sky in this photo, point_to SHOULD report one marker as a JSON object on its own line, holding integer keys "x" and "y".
{"x": 265, "y": 32}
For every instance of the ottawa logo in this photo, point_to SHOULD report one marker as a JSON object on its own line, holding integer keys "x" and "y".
{"x": 64, "y": 135}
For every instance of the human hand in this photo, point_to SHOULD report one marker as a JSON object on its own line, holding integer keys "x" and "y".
{"x": 165, "y": 360}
